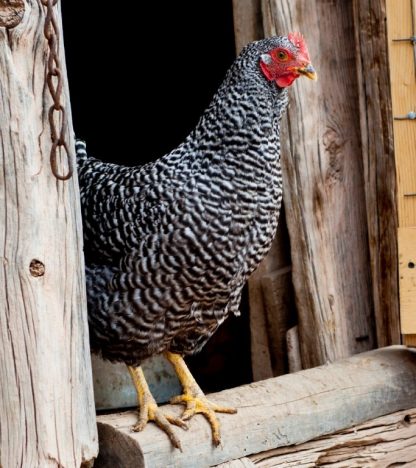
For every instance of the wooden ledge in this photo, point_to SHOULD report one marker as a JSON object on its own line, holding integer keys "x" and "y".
{"x": 277, "y": 412}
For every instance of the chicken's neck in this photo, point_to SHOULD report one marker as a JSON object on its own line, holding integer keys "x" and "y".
{"x": 240, "y": 128}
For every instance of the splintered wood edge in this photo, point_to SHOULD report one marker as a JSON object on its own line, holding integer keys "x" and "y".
{"x": 282, "y": 411}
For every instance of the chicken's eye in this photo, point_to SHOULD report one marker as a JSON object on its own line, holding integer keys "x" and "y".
{"x": 282, "y": 55}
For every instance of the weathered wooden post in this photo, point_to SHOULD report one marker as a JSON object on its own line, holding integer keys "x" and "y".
{"x": 323, "y": 186}
{"x": 46, "y": 400}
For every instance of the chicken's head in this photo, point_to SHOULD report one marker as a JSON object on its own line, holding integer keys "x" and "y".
{"x": 286, "y": 62}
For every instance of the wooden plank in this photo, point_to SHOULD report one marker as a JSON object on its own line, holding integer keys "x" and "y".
{"x": 261, "y": 361}
{"x": 46, "y": 397}
{"x": 281, "y": 411}
{"x": 403, "y": 88}
{"x": 383, "y": 442}
{"x": 407, "y": 270}
{"x": 280, "y": 314}
{"x": 293, "y": 349}
{"x": 324, "y": 185}
{"x": 409, "y": 340}
{"x": 378, "y": 163}
{"x": 271, "y": 308}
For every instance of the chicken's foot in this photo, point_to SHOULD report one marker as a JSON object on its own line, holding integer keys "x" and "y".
{"x": 194, "y": 399}
{"x": 149, "y": 411}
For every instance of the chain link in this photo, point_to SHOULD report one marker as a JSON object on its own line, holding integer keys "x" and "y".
{"x": 55, "y": 84}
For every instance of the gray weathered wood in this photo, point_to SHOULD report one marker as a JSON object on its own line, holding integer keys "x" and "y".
{"x": 324, "y": 185}
{"x": 239, "y": 463}
{"x": 46, "y": 399}
{"x": 293, "y": 349}
{"x": 281, "y": 411}
{"x": 378, "y": 163}
{"x": 382, "y": 442}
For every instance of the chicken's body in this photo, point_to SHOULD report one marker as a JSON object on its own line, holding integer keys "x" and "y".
{"x": 171, "y": 244}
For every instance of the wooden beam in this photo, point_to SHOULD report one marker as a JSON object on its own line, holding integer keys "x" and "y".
{"x": 324, "y": 185}
{"x": 281, "y": 411}
{"x": 383, "y": 442}
{"x": 46, "y": 399}
{"x": 378, "y": 164}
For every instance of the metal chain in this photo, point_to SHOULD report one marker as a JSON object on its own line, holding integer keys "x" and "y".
{"x": 55, "y": 85}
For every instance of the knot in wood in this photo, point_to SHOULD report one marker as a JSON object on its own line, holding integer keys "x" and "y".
{"x": 11, "y": 12}
{"x": 333, "y": 141}
{"x": 36, "y": 268}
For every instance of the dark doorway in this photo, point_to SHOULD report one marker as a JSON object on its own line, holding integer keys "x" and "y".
{"x": 179, "y": 67}
{"x": 166, "y": 79}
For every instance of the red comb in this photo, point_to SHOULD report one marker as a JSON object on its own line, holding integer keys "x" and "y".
{"x": 298, "y": 41}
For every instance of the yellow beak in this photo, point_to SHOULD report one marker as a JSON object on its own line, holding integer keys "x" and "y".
{"x": 308, "y": 71}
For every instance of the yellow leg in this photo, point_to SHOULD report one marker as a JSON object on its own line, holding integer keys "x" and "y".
{"x": 149, "y": 411}
{"x": 194, "y": 399}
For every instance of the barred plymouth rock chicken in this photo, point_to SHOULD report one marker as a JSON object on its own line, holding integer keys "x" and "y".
{"x": 170, "y": 244}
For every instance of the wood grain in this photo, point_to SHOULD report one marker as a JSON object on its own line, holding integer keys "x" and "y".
{"x": 324, "y": 192}
{"x": 46, "y": 398}
{"x": 382, "y": 442}
{"x": 410, "y": 340}
{"x": 378, "y": 163}
{"x": 239, "y": 463}
{"x": 407, "y": 269}
{"x": 293, "y": 349}
{"x": 403, "y": 90}
{"x": 272, "y": 309}
{"x": 277, "y": 412}
{"x": 280, "y": 314}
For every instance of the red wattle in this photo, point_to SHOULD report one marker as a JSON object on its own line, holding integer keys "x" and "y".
{"x": 284, "y": 81}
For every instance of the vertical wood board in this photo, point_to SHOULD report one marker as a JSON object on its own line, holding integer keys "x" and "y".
{"x": 403, "y": 85}
{"x": 324, "y": 192}
{"x": 407, "y": 269}
{"x": 376, "y": 122}
{"x": 403, "y": 88}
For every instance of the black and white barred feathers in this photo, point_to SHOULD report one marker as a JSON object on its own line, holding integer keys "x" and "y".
{"x": 170, "y": 244}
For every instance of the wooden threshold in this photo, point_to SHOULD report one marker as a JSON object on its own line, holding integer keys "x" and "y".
{"x": 277, "y": 412}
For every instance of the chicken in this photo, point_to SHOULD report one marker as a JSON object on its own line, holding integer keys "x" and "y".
{"x": 169, "y": 245}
